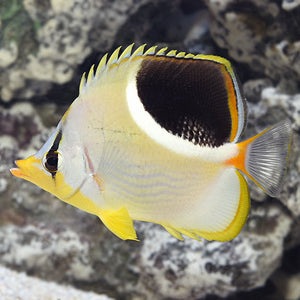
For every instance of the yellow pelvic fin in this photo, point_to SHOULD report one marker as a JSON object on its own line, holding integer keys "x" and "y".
{"x": 119, "y": 223}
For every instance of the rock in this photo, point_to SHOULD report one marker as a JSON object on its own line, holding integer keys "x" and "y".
{"x": 193, "y": 270}
{"x": 287, "y": 279}
{"x": 19, "y": 286}
{"x": 273, "y": 107}
{"x": 44, "y": 42}
{"x": 288, "y": 286}
{"x": 273, "y": 31}
{"x": 56, "y": 242}
{"x": 159, "y": 267}
{"x": 253, "y": 88}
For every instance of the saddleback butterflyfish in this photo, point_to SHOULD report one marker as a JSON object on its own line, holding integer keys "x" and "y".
{"x": 154, "y": 136}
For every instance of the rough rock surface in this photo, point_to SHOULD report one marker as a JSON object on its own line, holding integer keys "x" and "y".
{"x": 263, "y": 34}
{"x": 56, "y": 242}
{"x": 159, "y": 266}
{"x": 43, "y": 42}
{"x": 275, "y": 106}
{"x": 191, "y": 270}
{"x": 19, "y": 286}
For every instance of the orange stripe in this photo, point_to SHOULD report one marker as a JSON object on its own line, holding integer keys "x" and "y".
{"x": 232, "y": 102}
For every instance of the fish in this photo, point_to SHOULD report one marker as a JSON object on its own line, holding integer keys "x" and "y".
{"x": 154, "y": 136}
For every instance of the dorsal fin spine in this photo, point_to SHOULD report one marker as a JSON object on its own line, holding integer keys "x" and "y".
{"x": 82, "y": 82}
{"x": 101, "y": 65}
{"x": 180, "y": 54}
{"x": 150, "y": 51}
{"x": 91, "y": 74}
{"x": 114, "y": 57}
{"x": 189, "y": 55}
{"x": 161, "y": 51}
{"x": 126, "y": 53}
{"x": 172, "y": 53}
{"x": 138, "y": 52}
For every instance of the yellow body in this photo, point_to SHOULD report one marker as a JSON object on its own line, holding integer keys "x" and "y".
{"x": 114, "y": 169}
{"x": 151, "y": 182}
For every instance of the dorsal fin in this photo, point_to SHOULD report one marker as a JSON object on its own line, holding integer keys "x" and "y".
{"x": 105, "y": 62}
{"x": 238, "y": 108}
{"x": 117, "y": 58}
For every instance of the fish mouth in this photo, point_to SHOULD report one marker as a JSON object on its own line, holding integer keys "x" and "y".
{"x": 18, "y": 171}
{"x": 23, "y": 169}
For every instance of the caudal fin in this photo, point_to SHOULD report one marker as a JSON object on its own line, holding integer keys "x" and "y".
{"x": 266, "y": 155}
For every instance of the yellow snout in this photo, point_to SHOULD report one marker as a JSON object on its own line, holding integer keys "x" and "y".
{"x": 27, "y": 168}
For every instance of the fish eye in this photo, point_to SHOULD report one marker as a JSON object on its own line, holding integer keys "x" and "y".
{"x": 52, "y": 161}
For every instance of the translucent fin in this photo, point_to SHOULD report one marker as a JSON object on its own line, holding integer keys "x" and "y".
{"x": 120, "y": 223}
{"x": 174, "y": 232}
{"x": 267, "y": 155}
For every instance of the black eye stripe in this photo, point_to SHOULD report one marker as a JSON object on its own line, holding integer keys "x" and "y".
{"x": 51, "y": 162}
{"x": 56, "y": 142}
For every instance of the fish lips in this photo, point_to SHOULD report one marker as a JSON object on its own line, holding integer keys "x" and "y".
{"x": 24, "y": 167}
{"x": 18, "y": 172}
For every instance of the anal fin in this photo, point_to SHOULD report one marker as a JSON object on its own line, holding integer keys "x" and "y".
{"x": 119, "y": 223}
{"x": 177, "y": 233}
{"x": 191, "y": 234}
{"x": 174, "y": 232}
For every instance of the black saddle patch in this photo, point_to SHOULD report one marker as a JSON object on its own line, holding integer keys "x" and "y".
{"x": 187, "y": 97}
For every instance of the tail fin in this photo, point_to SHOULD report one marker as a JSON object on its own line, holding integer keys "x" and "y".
{"x": 265, "y": 157}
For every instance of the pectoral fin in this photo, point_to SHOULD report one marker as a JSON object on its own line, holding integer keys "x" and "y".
{"x": 119, "y": 222}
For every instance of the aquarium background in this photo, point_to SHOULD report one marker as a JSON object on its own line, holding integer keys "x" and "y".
{"x": 50, "y": 250}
